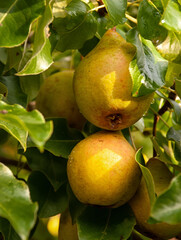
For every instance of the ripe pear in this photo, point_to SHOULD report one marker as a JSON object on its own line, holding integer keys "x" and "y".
{"x": 140, "y": 203}
{"x": 102, "y": 85}
{"x": 67, "y": 230}
{"x": 56, "y": 99}
{"x": 102, "y": 169}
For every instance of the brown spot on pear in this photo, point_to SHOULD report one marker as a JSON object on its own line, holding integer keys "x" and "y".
{"x": 56, "y": 99}
{"x": 102, "y": 85}
{"x": 102, "y": 169}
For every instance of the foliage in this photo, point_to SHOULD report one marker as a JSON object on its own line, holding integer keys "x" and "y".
{"x": 39, "y": 38}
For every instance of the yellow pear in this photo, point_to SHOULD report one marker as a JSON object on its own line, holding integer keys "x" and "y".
{"x": 102, "y": 85}
{"x": 56, "y": 99}
{"x": 102, "y": 169}
{"x": 140, "y": 203}
{"x": 67, "y": 230}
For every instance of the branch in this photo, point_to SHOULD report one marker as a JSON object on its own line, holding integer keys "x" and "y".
{"x": 15, "y": 163}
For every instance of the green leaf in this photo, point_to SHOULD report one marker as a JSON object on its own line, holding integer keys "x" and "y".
{"x": 147, "y": 176}
{"x": 167, "y": 207}
{"x": 178, "y": 80}
{"x": 160, "y": 151}
{"x": 78, "y": 26}
{"x": 15, "y": 94}
{"x": 41, "y": 58}
{"x": 148, "y": 18}
{"x": 171, "y": 18}
{"x": 63, "y": 139}
{"x": 116, "y": 10}
{"x": 89, "y": 129}
{"x": 176, "y": 106}
{"x": 177, "y": 110}
{"x": 75, "y": 207}
{"x": 149, "y": 69}
{"x": 18, "y": 122}
{"x": 105, "y": 223}
{"x": 3, "y": 89}
{"x": 38, "y": 63}
{"x": 3, "y": 55}
{"x": 53, "y": 167}
{"x": 88, "y": 46}
{"x": 170, "y": 48}
{"x": 15, "y": 19}
{"x": 7, "y": 230}
{"x": 50, "y": 202}
{"x": 15, "y": 203}
{"x": 14, "y": 56}
{"x": 175, "y": 135}
{"x": 61, "y": 147}
{"x": 31, "y": 85}
{"x": 173, "y": 75}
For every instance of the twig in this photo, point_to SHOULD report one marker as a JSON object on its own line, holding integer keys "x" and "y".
{"x": 11, "y": 162}
{"x": 132, "y": 19}
{"x": 96, "y": 8}
{"x": 159, "y": 117}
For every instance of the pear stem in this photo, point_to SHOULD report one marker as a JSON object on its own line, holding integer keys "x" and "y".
{"x": 132, "y": 19}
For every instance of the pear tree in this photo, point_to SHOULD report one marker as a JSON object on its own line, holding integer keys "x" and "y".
{"x": 90, "y": 119}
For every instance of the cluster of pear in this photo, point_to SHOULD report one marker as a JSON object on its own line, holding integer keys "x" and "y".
{"x": 101, "y": 168}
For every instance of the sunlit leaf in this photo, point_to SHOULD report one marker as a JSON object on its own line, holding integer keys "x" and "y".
{"x": 41, "y": 58}
{"x": 19, "y": 123}
{"x": 171, "y": 18}
{"x": 15, "y": 203}
{"x": 170, "y": 49}
{"x": 148, "y": 69}
{"x": 15, "y": 19}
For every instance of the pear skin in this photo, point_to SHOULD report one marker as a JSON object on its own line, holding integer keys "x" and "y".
{"x": 56, "y": 99}
{"x": 102, "y": 85}
{"x": 67, "y": 230}
{"x": 140, "y": 203}
{"x": 102, "y": 169}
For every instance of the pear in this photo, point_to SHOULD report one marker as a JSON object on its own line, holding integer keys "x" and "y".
{"x": 102, "y": 169}
{"x": 102, "y": 85}
{"x": 56, "y": 99}
{"x": 67, "y": 230}
{"x": 140, "y": 203}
